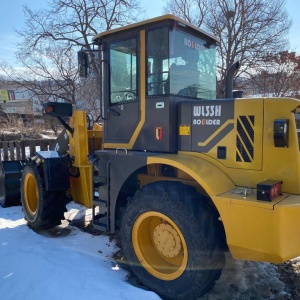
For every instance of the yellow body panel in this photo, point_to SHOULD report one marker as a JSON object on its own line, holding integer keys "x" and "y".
{"x": 282, "y": 163}
{"x": 210, "y": 178}
{"x": 261, "y": 231}
{"x": 269, "y": 162}
{"x": 81, "y": 187}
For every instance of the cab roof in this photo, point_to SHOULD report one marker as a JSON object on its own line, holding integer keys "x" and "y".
{"x": 151, "y": 22}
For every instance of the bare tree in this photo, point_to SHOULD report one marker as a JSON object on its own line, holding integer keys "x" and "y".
{"x": 193, "y": 11}
{"x": 50, "y": 41}
{"x": 247, "y": 29}
{"x": 48, "y": 71}
{"x": 76, "y": 21}
{"x": 278, "y": 75}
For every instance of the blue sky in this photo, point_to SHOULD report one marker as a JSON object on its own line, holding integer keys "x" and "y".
{"x": 11, "y": 18}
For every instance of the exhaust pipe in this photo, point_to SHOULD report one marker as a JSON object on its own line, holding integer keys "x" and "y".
{"x": 229, "y": 79}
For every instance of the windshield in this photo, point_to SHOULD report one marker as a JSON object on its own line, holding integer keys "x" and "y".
{"x": 180, "y": 64}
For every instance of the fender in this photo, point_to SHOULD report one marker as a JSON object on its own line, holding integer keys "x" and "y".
{"x": 123, "y": 165}
{"x": 207, "y": 175}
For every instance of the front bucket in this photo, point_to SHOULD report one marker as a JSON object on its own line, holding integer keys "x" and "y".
{"x": 10, "y": 183}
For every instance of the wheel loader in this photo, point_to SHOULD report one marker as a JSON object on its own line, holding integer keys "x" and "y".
{"x": 182, "y": 176}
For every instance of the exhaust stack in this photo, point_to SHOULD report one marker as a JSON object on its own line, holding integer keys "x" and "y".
{"x": 229, "y": 79}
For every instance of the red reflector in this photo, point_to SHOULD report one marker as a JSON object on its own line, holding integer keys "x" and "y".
{"x": 49, "y": 109}
{"x": 268, "y": 190}
{"x": 159, "y": 133}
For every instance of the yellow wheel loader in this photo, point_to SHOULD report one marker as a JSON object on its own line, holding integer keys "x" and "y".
{"x": 181, "y": 175}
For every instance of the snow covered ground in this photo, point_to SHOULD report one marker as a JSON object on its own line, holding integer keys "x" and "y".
{"x": 71, "y": 264}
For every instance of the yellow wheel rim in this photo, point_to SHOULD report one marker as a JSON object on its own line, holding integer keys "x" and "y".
{"x": 30, "y": 194}
{"x": 159, "y": 245}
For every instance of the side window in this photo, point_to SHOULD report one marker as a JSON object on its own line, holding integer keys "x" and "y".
{"x": 157, "y": 62}
{"x": 123, "y": 71}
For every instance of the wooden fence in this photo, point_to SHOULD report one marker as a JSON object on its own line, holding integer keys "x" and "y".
{"x": 18, "y": 150}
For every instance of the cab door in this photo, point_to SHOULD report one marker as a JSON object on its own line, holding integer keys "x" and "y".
{"x": 122, "y": 96}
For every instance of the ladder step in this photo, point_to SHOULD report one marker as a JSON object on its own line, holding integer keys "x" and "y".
{"x": 100, "y": 222}
{"x": 99, "y": 202}
{"x": 100, "y": 211}
{"x": 102, "y": 207}
{"x": 99, "y": 180}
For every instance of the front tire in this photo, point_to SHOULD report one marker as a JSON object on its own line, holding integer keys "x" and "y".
{"x": 43, "y": 209}
{"x": 170, "y": 238}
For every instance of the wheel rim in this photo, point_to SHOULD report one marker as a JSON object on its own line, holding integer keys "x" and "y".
{"x": 159, "y": 245}
{"x": 30, "y": 194}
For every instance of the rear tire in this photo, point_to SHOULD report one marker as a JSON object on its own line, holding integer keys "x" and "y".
{"x": 170, "y": 238}
{"x": 43, "y": 209}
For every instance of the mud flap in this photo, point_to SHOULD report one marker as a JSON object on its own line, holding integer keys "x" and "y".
{"x": 10, "y": 183}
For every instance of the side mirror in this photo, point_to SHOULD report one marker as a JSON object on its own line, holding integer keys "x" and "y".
{"x": 83, "y": 63}
{"x": 58, "y": 109}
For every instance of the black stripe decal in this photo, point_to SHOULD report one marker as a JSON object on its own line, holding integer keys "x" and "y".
{"x": 245, "y": 139}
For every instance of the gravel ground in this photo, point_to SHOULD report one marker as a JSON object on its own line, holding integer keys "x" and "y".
{"x": 290, "y": 275}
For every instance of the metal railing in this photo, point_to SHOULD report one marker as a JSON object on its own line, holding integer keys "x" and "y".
{"x": 18, "y": 150}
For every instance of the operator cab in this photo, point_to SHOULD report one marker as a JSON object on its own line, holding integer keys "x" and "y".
{"x": 147, "y": 69}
